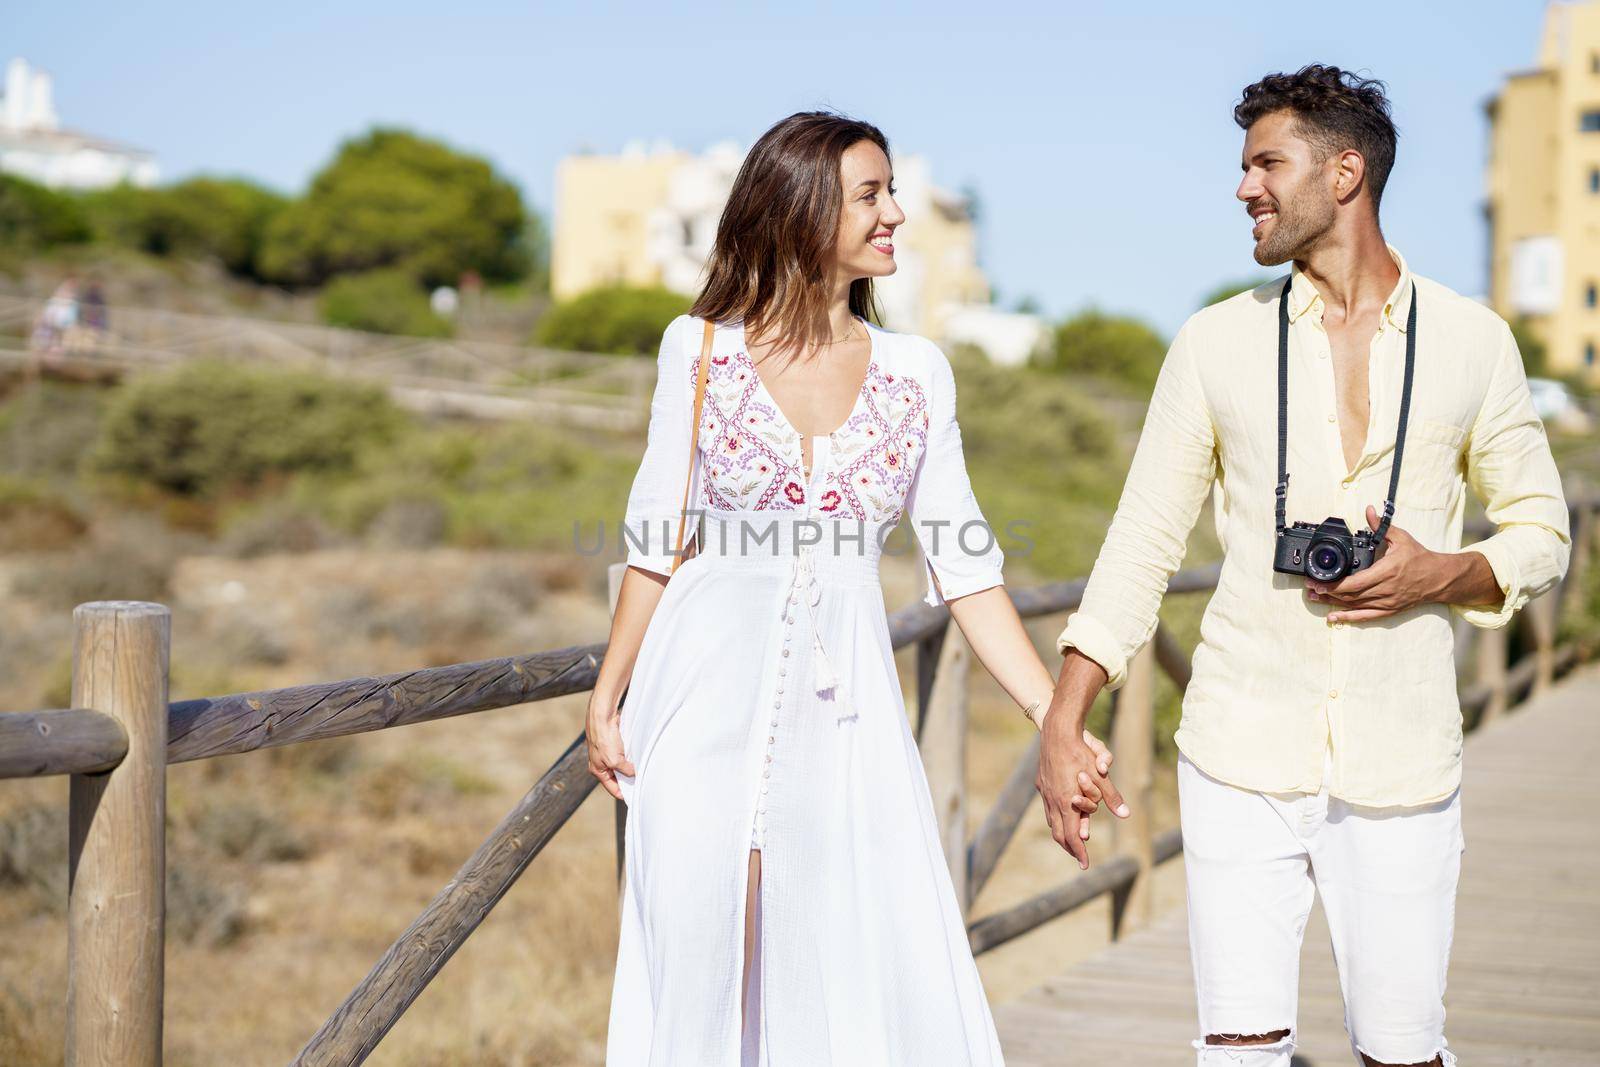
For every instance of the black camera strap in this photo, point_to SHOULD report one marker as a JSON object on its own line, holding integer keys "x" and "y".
{"x": 1282, "y": 489}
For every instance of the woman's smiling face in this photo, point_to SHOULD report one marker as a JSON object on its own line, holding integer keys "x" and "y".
{"x": 865, "y": 247}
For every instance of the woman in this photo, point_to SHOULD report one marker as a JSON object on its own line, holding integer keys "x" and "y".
{"x": 773, "y": 784}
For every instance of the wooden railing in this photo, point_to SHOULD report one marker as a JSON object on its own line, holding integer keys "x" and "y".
{"x": 121, "y": 732}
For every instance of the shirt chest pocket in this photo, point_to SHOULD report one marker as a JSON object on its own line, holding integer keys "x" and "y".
{"x": 1430, "y": 468}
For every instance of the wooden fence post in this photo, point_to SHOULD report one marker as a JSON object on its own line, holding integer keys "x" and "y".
{"x": 1542, "y": 618}
{"x": 944, "y": 754}
{"x": 1583, "y": 538}
{"x": 116, "y": 897}
{"x": 1492, "y": 671}
{"x": 614, "y": 576}
{"x": 1133, "y": 735}
{"x": 927, "y": 667}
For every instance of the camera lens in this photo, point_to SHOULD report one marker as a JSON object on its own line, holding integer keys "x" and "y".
{"x": 1327, "y": 562}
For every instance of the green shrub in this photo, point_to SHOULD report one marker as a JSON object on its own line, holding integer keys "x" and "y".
{"x": 617, "y": 319}
{"x": 394, "y": 199}
{"x": 205, "y": 427}
{"x": 33, "y": 216}
{"x": 511, "y": 484}
{"x": 384, "y": 301}
{"x": 217, "y": 218}
{"x": 1108, "y": 346}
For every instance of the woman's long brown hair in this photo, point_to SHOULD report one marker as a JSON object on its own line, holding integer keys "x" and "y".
{"x": 772, "y": 262}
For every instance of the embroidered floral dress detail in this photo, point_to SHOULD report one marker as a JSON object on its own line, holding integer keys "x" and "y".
{"x": 877, "y": 450}
{"x": 749, "y": 450}
{"x": 752, "y": 455}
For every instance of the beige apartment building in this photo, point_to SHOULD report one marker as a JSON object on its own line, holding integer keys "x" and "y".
{"x": 1543, "y": 209}
{"x": 648, "y": 216}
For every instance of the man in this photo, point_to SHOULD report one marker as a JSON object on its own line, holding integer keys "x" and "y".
{"x": 1321, "y": 733}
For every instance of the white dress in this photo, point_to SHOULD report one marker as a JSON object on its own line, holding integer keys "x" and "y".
{"x": 765, "y": 712}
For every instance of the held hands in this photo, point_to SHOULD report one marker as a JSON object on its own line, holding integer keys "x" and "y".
{"x": 1072, "y": 782}
{"x": 603, "y": 732}
{"x": 1404, "y": 575}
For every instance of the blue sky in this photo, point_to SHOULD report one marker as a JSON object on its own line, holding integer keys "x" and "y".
{"x": 1097, "y": 136}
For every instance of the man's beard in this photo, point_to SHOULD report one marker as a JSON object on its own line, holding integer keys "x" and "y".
{"x": 1296, "y": 232}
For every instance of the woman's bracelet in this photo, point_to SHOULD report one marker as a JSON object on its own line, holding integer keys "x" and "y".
{"x": 1036, "y": 711}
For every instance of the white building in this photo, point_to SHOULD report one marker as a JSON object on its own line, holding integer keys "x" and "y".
{"x": 34, "y": 146}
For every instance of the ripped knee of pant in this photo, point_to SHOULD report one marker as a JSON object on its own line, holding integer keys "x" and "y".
{"x": 1246, "y": 1050}
{"x": 1444, "y": 1057}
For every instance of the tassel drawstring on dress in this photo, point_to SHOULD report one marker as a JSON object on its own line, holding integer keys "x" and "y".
{"x": 808, "y": 588}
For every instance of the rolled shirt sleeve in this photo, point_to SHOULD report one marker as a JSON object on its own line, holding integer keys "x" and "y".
{"x": 1173, "y": 468}
{"x": 957, "y": 544}
{"x": 655, "y": 501}
{"x": 1510, "y": 468}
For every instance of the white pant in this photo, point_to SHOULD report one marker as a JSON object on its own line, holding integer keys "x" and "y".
{"x": 1387, "y": 877}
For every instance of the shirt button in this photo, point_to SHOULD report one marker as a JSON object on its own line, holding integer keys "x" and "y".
{"x": 1333, "y": 694}
{"x": 786, "y": 652}
{"x": 1333, "y": 418}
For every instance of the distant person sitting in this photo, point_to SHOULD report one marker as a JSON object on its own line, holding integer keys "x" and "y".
{"x": 59, "y": 315}
{"x": 94, "y": 313}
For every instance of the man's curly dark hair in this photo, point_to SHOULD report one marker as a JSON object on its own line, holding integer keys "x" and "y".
{"x": 1335, "y": 110}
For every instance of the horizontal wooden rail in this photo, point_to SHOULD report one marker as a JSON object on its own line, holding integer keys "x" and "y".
{"x": 248, "y": 721}
{"x": 76, "y": 741}
{"x": 1108, "y": 876}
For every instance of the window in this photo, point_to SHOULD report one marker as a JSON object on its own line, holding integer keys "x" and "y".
{"x": 1588, "y": 354}
{"x": 1594, "y": 180}
{"x": 1589, "y": 122}
{"x": 1591, "y": 296}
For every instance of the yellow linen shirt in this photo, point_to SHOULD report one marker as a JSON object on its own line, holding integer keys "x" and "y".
{"x": 1274, "y": 684}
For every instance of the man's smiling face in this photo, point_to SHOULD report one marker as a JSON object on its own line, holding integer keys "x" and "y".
{"x": 1288, "y": 189}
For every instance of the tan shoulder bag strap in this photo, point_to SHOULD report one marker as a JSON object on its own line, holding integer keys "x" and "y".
{"x": 701, "y": 373}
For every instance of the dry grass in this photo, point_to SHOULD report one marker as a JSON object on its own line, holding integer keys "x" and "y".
{"x": 294, "y": 869}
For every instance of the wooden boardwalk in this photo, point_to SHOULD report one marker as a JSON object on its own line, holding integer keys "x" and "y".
{"x": 1524, "y": 983}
